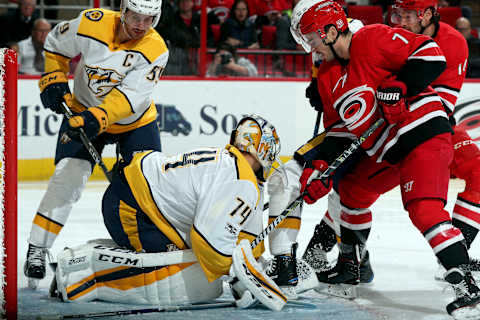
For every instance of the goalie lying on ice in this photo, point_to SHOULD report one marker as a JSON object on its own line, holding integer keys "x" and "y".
{"x": 207, "y": 200}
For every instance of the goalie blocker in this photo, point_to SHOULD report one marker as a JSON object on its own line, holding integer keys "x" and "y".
{"x": 100, "y": 270}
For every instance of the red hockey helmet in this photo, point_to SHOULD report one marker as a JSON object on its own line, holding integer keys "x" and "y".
{"x": 419, "y": 6}
{"x": 313, "y": 16}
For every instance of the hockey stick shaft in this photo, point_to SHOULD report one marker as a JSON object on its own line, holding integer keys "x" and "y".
{"x": 88, "y": 144}
{"x": 118, "y": 313}
{"x": 335, "y": 164}
{"x": 186, "y": 256}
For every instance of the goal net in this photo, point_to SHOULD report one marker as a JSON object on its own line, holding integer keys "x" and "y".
{"x": 8, "y": 183}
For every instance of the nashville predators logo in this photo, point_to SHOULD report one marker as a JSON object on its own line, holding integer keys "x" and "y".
{"x": 102, "y": 81}
{"x": 94, "y": 15}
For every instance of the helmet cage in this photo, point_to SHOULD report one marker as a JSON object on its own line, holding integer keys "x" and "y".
{"x": 145, "y": 7}
{"x": 258, "y": 137}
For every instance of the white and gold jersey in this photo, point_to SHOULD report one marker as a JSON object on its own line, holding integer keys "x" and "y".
{"x": 206, "y": 199}
{"x": 117, "y": 77}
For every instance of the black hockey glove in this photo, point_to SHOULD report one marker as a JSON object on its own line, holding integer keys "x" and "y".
{"x": 53, "y": 88}
{"x": 93, "y": 122}
{"x": 312, "y": 94}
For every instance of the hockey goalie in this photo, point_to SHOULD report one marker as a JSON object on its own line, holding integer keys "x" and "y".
{"x": 157, "y": 208}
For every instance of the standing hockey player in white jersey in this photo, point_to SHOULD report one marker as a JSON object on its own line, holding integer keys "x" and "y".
{"x": 122, "y": 59}
{"x": 207, "y": 200}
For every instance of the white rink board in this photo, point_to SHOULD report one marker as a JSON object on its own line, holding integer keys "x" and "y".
{"x": 211, "y": 107}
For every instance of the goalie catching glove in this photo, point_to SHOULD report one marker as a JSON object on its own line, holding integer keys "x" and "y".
{"x": 93, "y": 121}
{"x": 314, "y": 189}
{"x": 254, "y": 282}
{"x": 391, "y": 98}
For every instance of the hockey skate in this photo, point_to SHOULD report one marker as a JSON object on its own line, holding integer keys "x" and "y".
{"x": 35, "y": 265}
{"x": 366, "y": 271}
{"x": 467, "y": 295}
{"x": 473, "y": 267}
{"x": 342, "y": 279}
{"x": 283, "y": 270}
{"x": 316, "y": 253}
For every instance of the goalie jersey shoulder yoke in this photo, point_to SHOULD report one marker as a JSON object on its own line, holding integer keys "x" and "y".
{"x": 201, "y": 199}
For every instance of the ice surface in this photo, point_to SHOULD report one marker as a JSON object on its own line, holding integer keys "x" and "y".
{"x": 404, "y": 265}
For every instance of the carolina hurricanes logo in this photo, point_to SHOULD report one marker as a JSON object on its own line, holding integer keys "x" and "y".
{"x": 102, "y": 81}
{"x": 353, "y": 108}
{"x": 467, "y": 116}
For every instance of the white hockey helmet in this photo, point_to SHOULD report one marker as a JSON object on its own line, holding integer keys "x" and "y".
{"x": 258, "y": 137}
{"x": 146, "y": 7}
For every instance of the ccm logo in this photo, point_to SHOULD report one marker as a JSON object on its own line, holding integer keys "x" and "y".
{"x": 75, "y": 261}
{"x": 388, "y": 96}
{"x": 117, "y": 260}
{"x": 460, "y": 144}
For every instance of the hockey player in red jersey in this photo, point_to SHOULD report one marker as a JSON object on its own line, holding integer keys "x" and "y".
{"x": 359, "y": 82}
{"x": 421, "y": 17}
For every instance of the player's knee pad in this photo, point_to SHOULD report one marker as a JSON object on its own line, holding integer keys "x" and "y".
{"x": 93, "y": 272}
{"x": 67, "y": 183}
{"x": 426, "y": 213}
{"x": 283, "y": 188}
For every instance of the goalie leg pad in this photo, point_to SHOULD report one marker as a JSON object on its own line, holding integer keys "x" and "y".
{"x": 250, "y": 273}
{"x": 95, "y": 272}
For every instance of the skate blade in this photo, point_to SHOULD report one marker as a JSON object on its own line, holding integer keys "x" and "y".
{"x": 33, "y": 283}
{"x": 466, "y": 313}
{"x": 341, "y": 290}
{"x": 289, "y": 292}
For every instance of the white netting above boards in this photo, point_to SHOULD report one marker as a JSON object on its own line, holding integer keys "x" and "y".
{"x": 8, "y": 182}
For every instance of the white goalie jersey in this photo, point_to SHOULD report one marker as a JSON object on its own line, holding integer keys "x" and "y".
{"x": 118, "y": 77}
{"x": 206, "y": 199}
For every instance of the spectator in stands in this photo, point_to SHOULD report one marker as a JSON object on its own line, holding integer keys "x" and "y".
{"x": 237, "y": 30}
{"x": 226, "y": 63}
{"x": 182, "y": 34}
{"x": 466, "y": 10}
{"x": 464, "y": 27}
{"x": 31, "y": 56}
{"x": 18, "y": 24}
{"x": 270, "y": 14}
{"x": 220, "y": 8}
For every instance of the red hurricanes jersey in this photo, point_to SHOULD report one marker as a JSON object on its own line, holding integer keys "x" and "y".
{"x": 348, "y": 92}
{"x": 455, "y": 50}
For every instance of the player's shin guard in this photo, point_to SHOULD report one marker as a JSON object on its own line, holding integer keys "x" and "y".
{"x": 466, "y": 215}
{"x": 64, "y": 189}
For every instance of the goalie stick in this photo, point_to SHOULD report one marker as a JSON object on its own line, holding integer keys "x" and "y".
{"x": 186, "y": 307}
{"x": 88, "y": 144}
{"x": 185, "y": 256}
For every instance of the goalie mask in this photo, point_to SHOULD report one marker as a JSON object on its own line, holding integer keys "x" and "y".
{"x": 146, "y": 7}
{"x": 258, "y": 137}
{"x": 314, "y": 16}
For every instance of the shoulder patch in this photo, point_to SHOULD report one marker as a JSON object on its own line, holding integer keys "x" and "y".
{"x": 94, "y": 15}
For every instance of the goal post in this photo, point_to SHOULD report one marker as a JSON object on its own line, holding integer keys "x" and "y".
{"x": 8, "y": 181}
